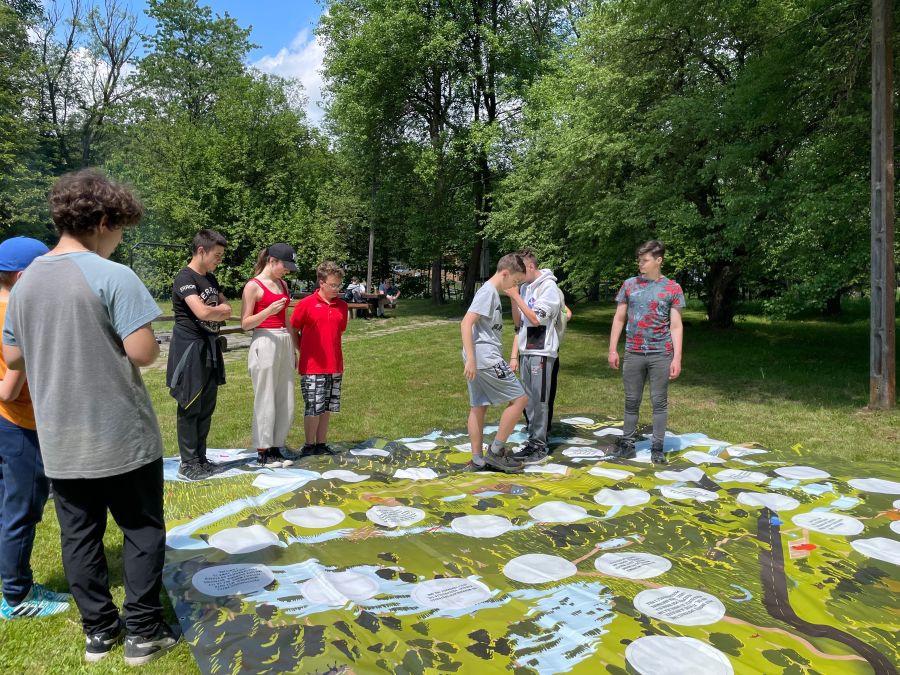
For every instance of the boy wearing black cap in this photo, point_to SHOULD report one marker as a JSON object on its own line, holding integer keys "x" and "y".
{"x": 23, "y": 485}
{"x": 195, "y": 368}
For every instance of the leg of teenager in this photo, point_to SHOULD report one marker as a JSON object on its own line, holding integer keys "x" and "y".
{"x": 186, "y": 426}
{"x": 136, "y": 504}
{"x": 475, "y": 425}
{"x": 552, "y": 398}
{"x": 284, "y": 390}
{"x": 322, "y": 428}
{"x": 207, "y": 407}
{"x": 658, "y": 367}
{"x": 634, "y": 374}
{"x": 508, "y": 419}
{"x": 81, "y": 511}
{"x": 525, "y": 375}
{"x": 261, "y": 364}
{"x": 23, "y": 493}
{"x": 539, "y": 370}
{"x": 310, "y": 428}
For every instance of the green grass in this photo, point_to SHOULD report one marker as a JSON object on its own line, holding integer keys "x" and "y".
{"x": 778, "y": 383}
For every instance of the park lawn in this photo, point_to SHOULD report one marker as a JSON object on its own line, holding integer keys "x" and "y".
{"x": 779, "y": 383}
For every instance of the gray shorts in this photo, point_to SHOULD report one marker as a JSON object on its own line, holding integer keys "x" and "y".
{"x": 321, "y": 394}
{"x": 494, "y": 385}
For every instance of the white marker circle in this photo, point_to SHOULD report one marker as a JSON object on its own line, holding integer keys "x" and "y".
{"x": 344, "y": 475}
{"x": 549, "y": 467}
{"x": 896, "y": 504}
{"x": 692, "y": 473}
{"x": 895, "y": 526}
{"x": 314, "y": 517}
{"x": 538, "y": 568}
{"x": 880, "y": 548}
{"x": 615, "y": 474}
{"x": 236, "y": 540}
{"x": 421, "y": 445}
{"x": 828, "y": 523}
{"x": 738, "y": 451}
{"x": 628, "y": 497}
{"x": 663, "y": 655}
{"x": 584, "y": 451}
{"x": 770, "y": 500}
{"x": 222, "y": 580}
{"x": 481, "y": 527}
{"x": 681, "y": 606}
{"x": 370, "y": 452}
{"x": 876, "y": 485}
{"x": 577, "y": 420}
{"x": 632, "y": 565}
{"x": 394, "y": 516}
{"x": 801, "y": 472}
{"x": 416, "y": 473}
{"x": 740, "y": 476}
{"x": 557, "y": 512}
{"x": 687, "y": 493}
{"x": 450, "y": 593}
{"x": 339, "y": 588}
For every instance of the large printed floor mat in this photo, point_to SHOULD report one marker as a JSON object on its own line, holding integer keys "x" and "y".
{"x": 391, "y": 557}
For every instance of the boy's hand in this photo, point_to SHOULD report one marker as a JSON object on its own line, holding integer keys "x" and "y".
{"x": 469, "y": 371}
{"x": 514, "y": 364}
{"x": 512, "y": 292}
{"x": 675, "y": 369}
{"x": 613, "y": 360}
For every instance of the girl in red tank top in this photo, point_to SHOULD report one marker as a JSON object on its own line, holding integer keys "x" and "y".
{"x": 271, "y": 356}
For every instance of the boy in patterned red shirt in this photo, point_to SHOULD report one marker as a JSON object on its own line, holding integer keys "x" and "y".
{"x": 649, "y": 308}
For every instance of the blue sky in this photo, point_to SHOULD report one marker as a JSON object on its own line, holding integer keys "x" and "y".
{"x": 284, "y": 31}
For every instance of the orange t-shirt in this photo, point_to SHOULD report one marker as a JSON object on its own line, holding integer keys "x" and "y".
{"x": 18, "y": 411}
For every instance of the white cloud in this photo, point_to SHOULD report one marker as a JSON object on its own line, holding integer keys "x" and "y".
{"x": 302, "y": 61}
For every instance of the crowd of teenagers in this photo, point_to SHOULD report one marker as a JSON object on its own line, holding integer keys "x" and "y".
{"x": 85, "y": 420}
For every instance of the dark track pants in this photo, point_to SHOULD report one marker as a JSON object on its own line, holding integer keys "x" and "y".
{"x": 539, "y": 381}
{"x": 194, "y": 421}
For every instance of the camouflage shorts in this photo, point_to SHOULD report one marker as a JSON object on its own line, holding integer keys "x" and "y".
{"x": 321, "y": 394}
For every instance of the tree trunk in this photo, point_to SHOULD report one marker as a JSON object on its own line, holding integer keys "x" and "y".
{"x": 437, "y": 290}
{"x": 721, "y": 287}
{"x": 833, "y": 304}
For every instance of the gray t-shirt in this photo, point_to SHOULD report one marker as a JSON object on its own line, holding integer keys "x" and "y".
{"x": 487, "y": 336}
{"x": 69, "y": 315}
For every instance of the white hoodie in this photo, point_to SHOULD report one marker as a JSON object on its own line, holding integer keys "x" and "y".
{"x": 543, "y": 298}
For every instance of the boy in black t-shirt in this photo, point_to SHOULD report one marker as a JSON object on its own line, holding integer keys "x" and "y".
{"x": 195, "y": 368}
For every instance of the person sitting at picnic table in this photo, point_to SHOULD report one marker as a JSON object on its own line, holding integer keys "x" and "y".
{"x": 387, "y": 295}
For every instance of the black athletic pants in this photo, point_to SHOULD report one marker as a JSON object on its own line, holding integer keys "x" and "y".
{"x": 194, "y": 421}
{"x": 135, "y": 500}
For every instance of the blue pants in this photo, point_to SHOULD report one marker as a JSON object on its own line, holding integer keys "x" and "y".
{"x": 23, "y": 493}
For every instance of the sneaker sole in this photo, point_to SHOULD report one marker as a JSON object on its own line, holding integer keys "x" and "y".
{"x": 135, "y": 661}
{"x": 503, "y": 468}
{"x": 94, "y": 657}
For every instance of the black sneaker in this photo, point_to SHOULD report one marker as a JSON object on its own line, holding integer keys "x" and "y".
{"x": 194, "y": 471}
{"x": 323, "y": 449}
{"x": 657, "y": 456}
{"x": 266, "y": 459}
{"x": 99, "y": 645}
{"x": 141, "y": 649}
{"x": 624, "y": 449}
{"x": 308, "y": 450}
{"x": 532, "y": 454}
{"x": 277, "y": 455}
{"x": 503, "y": 461}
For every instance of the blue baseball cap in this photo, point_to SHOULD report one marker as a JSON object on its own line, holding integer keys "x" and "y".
{"x": 17, "y": 253}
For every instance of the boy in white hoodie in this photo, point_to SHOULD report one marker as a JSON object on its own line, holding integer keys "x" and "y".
{"x": 538, "y": 307}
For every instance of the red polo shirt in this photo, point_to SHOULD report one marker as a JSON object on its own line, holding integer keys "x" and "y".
{"x": 320, "y": 324}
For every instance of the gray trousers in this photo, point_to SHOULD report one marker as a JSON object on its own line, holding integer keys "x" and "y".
{"x": 636, "y": 370}
{"x": 539, "y": 381}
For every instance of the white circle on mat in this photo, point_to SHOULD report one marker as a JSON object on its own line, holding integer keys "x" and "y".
{"x": 687, "y": 493}
{"x": 339, "y": 588}
{"x": 314, "y": 517}
{"x": 895, "y": 526}
{"x": 538, "y": 568}
{"x": 664, "y": 655}
{"x": 692, "y": 473}
{"x": 577, "y": 420}
{"x": 632, "y": 565}
{"x": 481, "y": 527}
{"x": 452, "y": 593}
{"x": 236, "y": 540}
{"x": 628, "y": 497}
{"x": 222, "y": 580}
{"x": 557, "y": 512}
{"x": 394, "y": 516}
{"x": 771, "y": 500}
{"x": 880, "y": 548}
{"x": 828, "y": 523}
{"x": 584, "y": 451}
{"x": 697, "y": 457}
{"x": 421, "y": 445}
{"x": 801, "y": 472}
{"x": 876, "y": 485}
{"x": 680, "y": 606}
{"x": 615, "y": 474}
{"x": 740, "y": 476}
{"x": 370, "y": 452}
{"x": 346, "y": 476}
